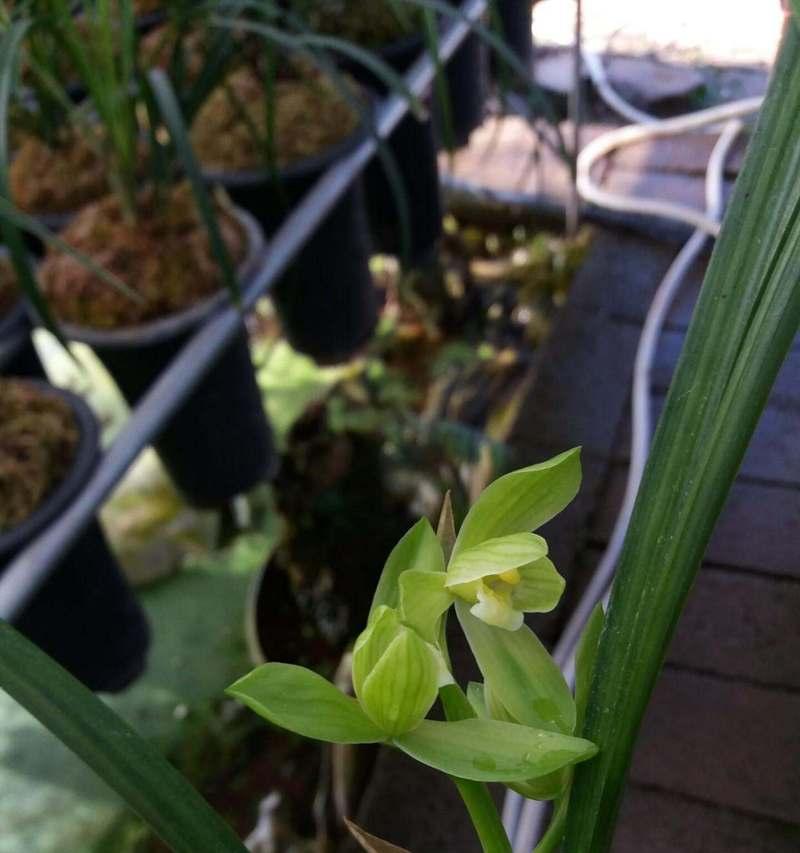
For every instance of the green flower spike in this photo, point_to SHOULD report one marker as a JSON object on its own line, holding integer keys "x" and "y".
{"x": 498, "y": 566}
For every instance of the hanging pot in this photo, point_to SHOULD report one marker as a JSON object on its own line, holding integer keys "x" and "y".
{"x": 17, "y": 354}
{"x": 219, "y": 443}
{"x": 466, "y": 76}
{"x": 413, "y": 147}
{"x": 515, "y": 18}
{"x": 85, "y": 614}
{"x": 327, "y": 299}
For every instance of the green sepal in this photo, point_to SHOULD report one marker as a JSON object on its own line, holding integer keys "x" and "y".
{"x": 491, "y": 751}
{"x": 372, "y": 642}
{"x": 551, "y": 787}
{"x": 418, "y": 550}
{"x": 303, "y": 702}
{"x": 521, "y": 501}
{"x": 521, "y": 674}
{"x": 423, "y": 601}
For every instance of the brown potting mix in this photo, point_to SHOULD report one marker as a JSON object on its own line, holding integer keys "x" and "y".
{"x": 38, "y": 438}
{"x": 163, "y": 255}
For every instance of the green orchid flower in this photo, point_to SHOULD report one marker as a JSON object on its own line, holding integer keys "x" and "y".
{"x": 400, "y": 659}
{"x": 498, "y": 565}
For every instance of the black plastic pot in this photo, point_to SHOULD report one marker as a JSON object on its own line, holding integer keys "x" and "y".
{"x": 468, "y": 88}
{"x": 327, "y": 299}
{"x": 85, "y": 615}
{"x": 17, "y": 354}
{"x": 413, "y": 147}
{"x": 515, "y": 18}
{"x": 219, "y": 443}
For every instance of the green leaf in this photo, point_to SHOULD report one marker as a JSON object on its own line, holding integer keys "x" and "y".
{"x": 585, "y": 659}
{"x": 173, "y": 118}
{"x": 403, "y": 685}
{"x": 521, "y": 501}
{"x": 495, "y": 556}
{"x": 423, "y": 601}
{"x": 303, "y": 702}
{"x": 418, "y": 550}
{"x": 490, "y": 751}
{"x": 743, "y": 326}
{"x": 130, "y": 765}
{"x": 540, "y": 588}
{"x": 521, "y": 674}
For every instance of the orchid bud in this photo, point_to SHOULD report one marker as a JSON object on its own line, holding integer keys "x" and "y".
{"x": 396, "y": 674}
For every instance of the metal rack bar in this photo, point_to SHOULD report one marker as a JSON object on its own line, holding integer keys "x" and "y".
{"x": 26, "y": 573}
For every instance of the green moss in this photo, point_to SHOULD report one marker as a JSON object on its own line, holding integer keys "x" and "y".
{"x": 38, "y": 437}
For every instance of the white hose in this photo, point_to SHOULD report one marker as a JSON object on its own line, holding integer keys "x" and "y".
{"x": 524, "y": 819}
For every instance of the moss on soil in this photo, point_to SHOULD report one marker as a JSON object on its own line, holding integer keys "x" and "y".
{"x": 164, "y": 256}
{"x": 60, "y": 179}
{"x": 38, "y": 437}
{"x": 310, "y": 116}
{"x": 371, "y": 23}
{"x": 8, "y": 285}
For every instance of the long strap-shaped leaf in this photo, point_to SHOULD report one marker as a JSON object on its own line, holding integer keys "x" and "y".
{"x": 147, "y": 782}
{"x": 746, "y": 318}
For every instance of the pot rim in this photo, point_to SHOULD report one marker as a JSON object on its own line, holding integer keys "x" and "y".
{"x": 163, "y": 328}
{"x": 86, "y": 455}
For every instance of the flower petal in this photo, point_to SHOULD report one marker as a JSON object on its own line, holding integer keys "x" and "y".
{"x": 540, "y": 587}
{"x": 494, "y": 557}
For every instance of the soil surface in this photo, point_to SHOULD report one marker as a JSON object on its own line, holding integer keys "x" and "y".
{"x": 163, "y": 256}
{"x": 232, "y": 129}
{"x": 38, "y": 437}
